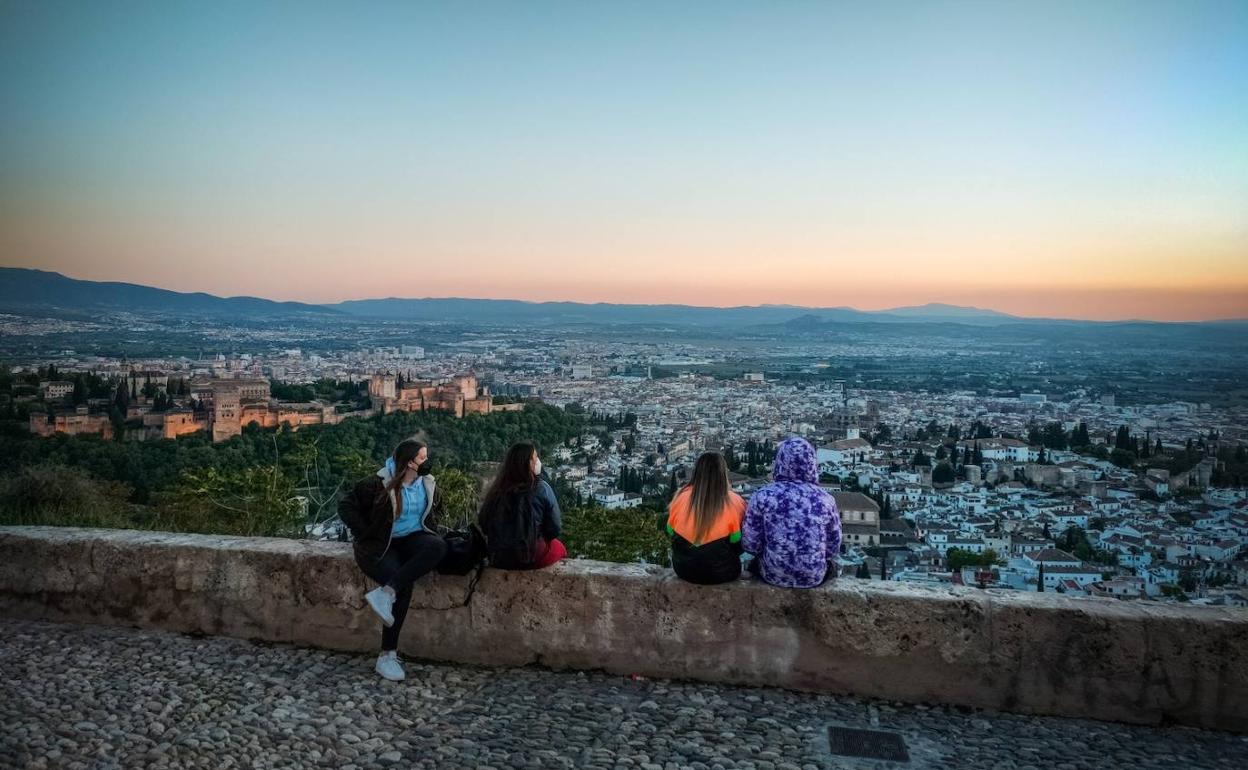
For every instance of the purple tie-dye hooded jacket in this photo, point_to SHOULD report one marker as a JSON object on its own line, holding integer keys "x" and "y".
{"x": 792, "y": 525}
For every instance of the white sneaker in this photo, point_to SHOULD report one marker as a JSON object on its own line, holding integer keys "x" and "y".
{"x": 389, "y": 667}
{"x": 382, "y": 602}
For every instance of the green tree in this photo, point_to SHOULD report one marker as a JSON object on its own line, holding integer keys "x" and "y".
{"x": 627, "y": 535}
{"x": 961, "y": 557}
{"x": 1122, "y": 458}
{"x": 79, "y": 396}
{"x": 121, "y": 399}
{"x": 61, "y": 496}
{"x": 957, "y": 558}
{"x": 258, "y": 501}
{"x": 1034, "y": 436}
{"x": 1079, "y": 436}
{"x": 460, "y": 495}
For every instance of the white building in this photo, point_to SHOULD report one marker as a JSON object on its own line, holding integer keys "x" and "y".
{"x": 56, "y": 389}
{"x": 614, "y": 499}
{"x": 847, "y": 451}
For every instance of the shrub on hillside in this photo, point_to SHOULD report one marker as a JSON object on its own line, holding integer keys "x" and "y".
{"x": 628, "y": 535}
{"x": 54, "y": 495}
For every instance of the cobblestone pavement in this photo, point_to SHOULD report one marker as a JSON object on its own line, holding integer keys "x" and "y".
{"x": 94, "y": 697}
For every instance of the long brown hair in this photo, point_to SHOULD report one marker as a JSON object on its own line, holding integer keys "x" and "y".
{"x": 516, "y": 475}
{"x": 404, "y": 453}
{"x": 708, "y": 492}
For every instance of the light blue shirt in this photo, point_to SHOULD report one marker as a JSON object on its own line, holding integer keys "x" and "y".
{"x": 414, "y": 501}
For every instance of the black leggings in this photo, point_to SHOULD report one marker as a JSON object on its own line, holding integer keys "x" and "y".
{"x": 406, "y": 559}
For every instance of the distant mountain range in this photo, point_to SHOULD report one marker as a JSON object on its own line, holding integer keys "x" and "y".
{"x": 941, "y": 310}
{"x": 505, "y": 311}
{"x": 27, "y": 290}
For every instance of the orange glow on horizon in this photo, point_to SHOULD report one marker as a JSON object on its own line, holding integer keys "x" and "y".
{"x": 1194, "y": 302}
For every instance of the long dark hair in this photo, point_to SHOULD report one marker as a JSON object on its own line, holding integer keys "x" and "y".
{"x": 708, "y": 492}
{"x": 516, "y": 475}
{"x": 404, "y": 453}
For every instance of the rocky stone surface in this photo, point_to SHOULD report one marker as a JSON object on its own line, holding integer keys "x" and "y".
{"x": 78, "y": 696}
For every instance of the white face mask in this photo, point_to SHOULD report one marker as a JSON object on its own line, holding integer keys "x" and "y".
{"x": 537, "y": 467}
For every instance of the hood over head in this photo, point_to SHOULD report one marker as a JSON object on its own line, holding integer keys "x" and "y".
{"x": 795, "y": 461}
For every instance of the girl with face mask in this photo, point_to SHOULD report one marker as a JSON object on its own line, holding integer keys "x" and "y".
{"x": 395, "y": 540}
{"x": 520, "y": 515}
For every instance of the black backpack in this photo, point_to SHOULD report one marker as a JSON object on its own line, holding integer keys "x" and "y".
{"x": 465, "y": 552}
{"x": 513, "y": 531}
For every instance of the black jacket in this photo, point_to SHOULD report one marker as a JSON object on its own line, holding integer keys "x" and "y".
{"x": 718, "y": 561}
{"x": 369, "y": 513}
{"x": 543, "y": 508}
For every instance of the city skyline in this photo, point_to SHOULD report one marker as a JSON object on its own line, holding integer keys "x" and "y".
{"x": 1058, "y": 162}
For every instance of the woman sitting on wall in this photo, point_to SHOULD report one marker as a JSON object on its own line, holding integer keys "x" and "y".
{"x": 704, "y": 523}
{"x": 520, "y": 515}
{"x": 392, "y": 517}
{"x": 792, "y": 525}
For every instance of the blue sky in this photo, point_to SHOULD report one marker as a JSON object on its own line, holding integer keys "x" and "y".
{"x": 869, "y": 154}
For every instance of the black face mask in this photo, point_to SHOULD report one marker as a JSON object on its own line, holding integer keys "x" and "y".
{"x": 424, "y": 468}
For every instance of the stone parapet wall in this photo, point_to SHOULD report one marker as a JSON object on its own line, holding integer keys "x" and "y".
{"x": 1044, "y": 654}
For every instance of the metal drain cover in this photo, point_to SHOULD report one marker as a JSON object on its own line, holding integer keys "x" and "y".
{"x": 867, "y": 744}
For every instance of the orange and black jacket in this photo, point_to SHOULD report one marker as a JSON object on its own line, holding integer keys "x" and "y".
{"x": 716, "y": 556}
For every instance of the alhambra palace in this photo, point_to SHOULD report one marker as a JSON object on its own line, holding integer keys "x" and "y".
{"x": 225, "y": 406}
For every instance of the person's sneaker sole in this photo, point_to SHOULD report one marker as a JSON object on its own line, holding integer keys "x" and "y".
{"x": 377, "y": 603}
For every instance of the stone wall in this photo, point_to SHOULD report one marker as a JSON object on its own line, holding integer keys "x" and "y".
{"x": 993, "y": 649}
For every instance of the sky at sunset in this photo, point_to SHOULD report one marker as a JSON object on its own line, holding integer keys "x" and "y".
{"x": 1068, "y": 159}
